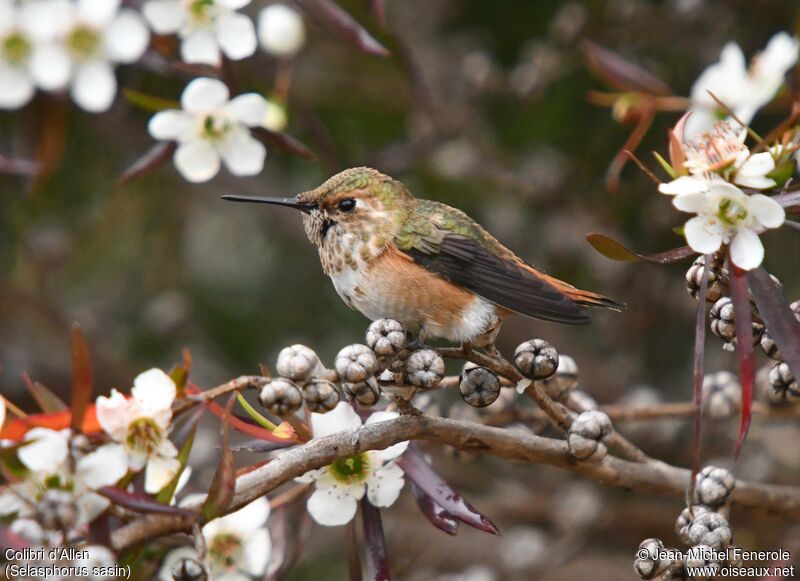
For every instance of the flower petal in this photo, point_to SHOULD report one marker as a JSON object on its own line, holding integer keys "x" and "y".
{"x": 385, "y": 485}
{"x": 342, "y": 417}
{"x": 50, "y": 66}
{"x": 250, "y": 109}
{"x": 47, "y": 450}
{"x": 16, "y": 88}
{"x": 236, "y": 35}
{"x": 46, "y": 19}
{"x": 767, "y": 211}
{"x": 684, "y": 185}
{"x": 114, "y": 414}
{"x": 154, "y": 391}
{"x": 164, "y": 16}
{"x": 97, "y": 13}
{"x": 690, "y": 202}
{"x": 197, "y": 161}
{"x": 332, "y": 507}
{"x": 256, "y": 553}
{"x": 90, "y": 506}
{"x": 200, "y": 47}
{"x": 172, "y": 559}
{"x": 203, "y": 95}
{"x": 702, "y": 235}
{"x": 126, "y": 38}
{"x": 103, "y": 467}
{"x": 234, "y": 4}
{"x": 247, "y": 519}
{"x": 94, "y": 86}
{"x": 395, "y": 450}
{"x": 171, "y": 125}
{"x": 242, "y": 153}
{"x": 747, "y": 252}
{"x": 160, "y": 471}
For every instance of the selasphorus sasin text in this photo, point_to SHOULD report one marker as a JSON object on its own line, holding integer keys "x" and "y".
{"x": 423, "y": 263}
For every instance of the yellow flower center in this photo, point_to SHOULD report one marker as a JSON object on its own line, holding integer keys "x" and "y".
{"x": 144, "y": 435}
{"x": 15, "y": 48}
{"x": 200, "y": 11}
{"x": 215, "y": 128}
{"x": 731, "y": 212}
{"x": 224, "y": 550}
{"x": 353, "y": 468}
{"x": 83, "y": 42}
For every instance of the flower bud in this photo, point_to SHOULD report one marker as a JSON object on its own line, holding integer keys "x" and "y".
{"x": 356, "y": 363}
{"x": 587, "y": 435}
{"x": 281, "y": 397}
{"x": 536, "y": 359}
{"x": 722, "y": 394}
{"x": 297, "y": 363}
{"x": 320, "y": 396}
{"x": 425, "y": 368}
{"x": 386, "y": 337}
{"x": 710, "y": 528}
{"x": 685, "y": 519}
{"x": 479, "y": 386}
{"x": 364, "y": 393}
{"x": 783, "y": 385}
{"x": 713, "y": 486}
{"x": 188, "y": 569}
{"x": 281, "y": 31}
{"x": 701, "y": 558}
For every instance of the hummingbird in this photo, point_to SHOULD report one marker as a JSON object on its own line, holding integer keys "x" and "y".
{"x": 423, "y": 263}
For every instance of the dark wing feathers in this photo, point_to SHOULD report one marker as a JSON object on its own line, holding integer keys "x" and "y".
{"x": 463, "y": 261}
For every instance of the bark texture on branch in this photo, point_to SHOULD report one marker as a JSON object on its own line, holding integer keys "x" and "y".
{"x": 656, "y": 478}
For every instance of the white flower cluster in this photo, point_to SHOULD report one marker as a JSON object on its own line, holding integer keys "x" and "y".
{"x": 55, "y": 45}
{"x": 716, "y": 165}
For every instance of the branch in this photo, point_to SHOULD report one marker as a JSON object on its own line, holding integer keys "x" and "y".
{"x": 655, "y": 477}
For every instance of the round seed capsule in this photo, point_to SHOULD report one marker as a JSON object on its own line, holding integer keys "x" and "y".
{"x": 536, "y": 359}
{"x": 320, "y": 396}
{"x": 386, "y": 337}
{"x": 783, "y": 384}
{"x": 281, "y": 397}
{"x": 297, "y": 363}
{"x": 356, "y": 363}
{"x": 364, "y": 393}
{"x": 188, "y": 569}
{"x": 425, "y": 368}
{"x": 479, "y": 386}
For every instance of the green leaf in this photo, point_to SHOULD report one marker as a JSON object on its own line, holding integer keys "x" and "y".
{"x": 614, "y": 250}
{"x": 665, "y": 165}
{"x": 783, "y": 172}
{"x": 257, "y": 417}
{"x": 165, "y": 495}
{"x": 149, "y": 102}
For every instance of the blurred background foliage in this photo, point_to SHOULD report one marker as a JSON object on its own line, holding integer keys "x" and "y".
{"x": 483, "y": 106}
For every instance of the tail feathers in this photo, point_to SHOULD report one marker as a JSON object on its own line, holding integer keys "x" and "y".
{"x": 582, "y": 297}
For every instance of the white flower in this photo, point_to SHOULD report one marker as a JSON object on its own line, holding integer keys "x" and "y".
{"x": 16, "y": 47}
{"x": 744, "y": 91}
{"x": 89, "y": 38}
{"x": 46, "y": 455}
{"x": 239, "y": 545}
{"x": 205, "y": 27}
{"x": 723, "y": 152}
{"x": 280, "y": 30}
{"x": 725, "y": 214}
{"x": 339, "y": 486}
{"x": 141, "y": 424}
{"x": 210, "y": 127}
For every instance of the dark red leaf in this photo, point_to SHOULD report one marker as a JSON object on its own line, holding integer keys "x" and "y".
{"x": 699, "y": 357}
{"x": 285, "y": 142}
{"x": 423, "y": 475}
{"x": 223, "y": 484}
{"x": 619, "y": 72}
{"x": 353, "y": 559}
{"x": 141, "y": 502}
{"x": 744, "y": 347}
{"x": 783, "y": 327}
{"x": 82, "y": 380}
{"x": 435, "y": 514}
{"x": 47, "y": 401}
{"x": 155, "y": 157}
{"x": 50, "y": 149}
{"x": 615, "y": 250}
{"x": 379, "y": 10}
{"x": 330, "y": 15}
{"x": 12, "y": 540}
{"x": 377, "y": 564}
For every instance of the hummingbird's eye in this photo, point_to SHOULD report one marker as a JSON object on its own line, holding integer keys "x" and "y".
{"x": 347, "y": 205}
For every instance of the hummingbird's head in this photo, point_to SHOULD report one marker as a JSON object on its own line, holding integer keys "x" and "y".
{"x": 358, "y": 205}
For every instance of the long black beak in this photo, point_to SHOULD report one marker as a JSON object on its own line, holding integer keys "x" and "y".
{"x": 287, "y": 202}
